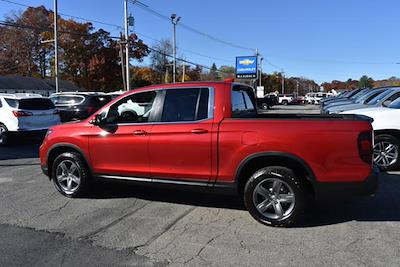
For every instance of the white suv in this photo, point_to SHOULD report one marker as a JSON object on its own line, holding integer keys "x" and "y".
{"x": 25, "y": 113}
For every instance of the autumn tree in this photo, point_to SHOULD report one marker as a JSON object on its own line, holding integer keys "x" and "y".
{"x": 160, "y": 61}
{"x": 366, "y": 82}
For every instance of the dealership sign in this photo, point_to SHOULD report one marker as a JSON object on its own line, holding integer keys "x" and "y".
{"x": 246, "y": 67}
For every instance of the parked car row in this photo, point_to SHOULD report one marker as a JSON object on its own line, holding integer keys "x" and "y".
{"x": 383, "y": 106}
{"x": 33, "y": 114}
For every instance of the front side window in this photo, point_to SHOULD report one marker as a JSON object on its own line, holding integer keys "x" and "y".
{"x": 185, "y": 105}
{"x": 135, "y": 108}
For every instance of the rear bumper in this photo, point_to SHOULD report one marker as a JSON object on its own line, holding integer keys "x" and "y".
{"x": 334, "y": 190}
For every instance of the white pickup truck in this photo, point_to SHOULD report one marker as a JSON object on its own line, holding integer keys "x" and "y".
{"x": 285, "y": 99}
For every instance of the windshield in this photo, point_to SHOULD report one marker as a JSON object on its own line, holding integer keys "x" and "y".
{"x": 367, "y": 97}
{"x": 395, "y": 104}
{"x": 379, "y": 97}
{"x": 360, "y": 94}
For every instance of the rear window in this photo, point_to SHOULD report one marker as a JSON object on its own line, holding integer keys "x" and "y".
{"x": 242, "y": 102}
{"x": 67, "y": 100}
{"x": 100, "y": 101}
{"x": 31, "y": 103}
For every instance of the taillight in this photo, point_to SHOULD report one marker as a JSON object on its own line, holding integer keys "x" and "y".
{"x": 19, "y": 113}
{"x": 90, "y": 110}
{"x": 366, "y": 147}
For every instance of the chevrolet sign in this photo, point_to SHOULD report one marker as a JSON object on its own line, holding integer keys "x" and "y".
{"x": 246, "y": 67}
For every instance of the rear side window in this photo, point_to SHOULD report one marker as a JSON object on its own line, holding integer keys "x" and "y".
{"x": 35, "y": 104}
{"x": 242, "y": 102}
{"x": 185, "y": 105}
{"x": 12, "y": 102}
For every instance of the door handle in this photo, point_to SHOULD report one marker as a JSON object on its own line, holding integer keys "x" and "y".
{"x": 199, "y": 131}
{"x": 139, "y": 132}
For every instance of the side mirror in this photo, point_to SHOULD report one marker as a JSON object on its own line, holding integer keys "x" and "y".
{"x": 112, "y": 117}
{"x": 97, "y": 120}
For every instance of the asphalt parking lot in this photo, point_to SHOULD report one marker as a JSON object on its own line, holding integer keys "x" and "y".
{"x": 130, "y": 225}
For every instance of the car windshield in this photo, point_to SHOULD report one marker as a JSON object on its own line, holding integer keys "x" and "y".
{"x": 360, "y": 94}
{"x": 370, "y": 95}
{"x": 379, "y": 97}
{"x": 395, "y": 104}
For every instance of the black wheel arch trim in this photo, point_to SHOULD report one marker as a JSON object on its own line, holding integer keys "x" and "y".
{"x": 67, "y": 145}
{"x": 310, "y": 174}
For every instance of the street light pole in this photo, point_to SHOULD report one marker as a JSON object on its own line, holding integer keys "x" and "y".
{"x": 261, "y": 60}
{"x": 128, "y": 78}
{"x": 174, "y": 20}
{"x": 56, "y": 45}
{"x": 283, "y": 82}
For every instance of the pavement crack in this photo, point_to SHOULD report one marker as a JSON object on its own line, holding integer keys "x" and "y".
{"x": 101, "y": 229}
{"x": 165, "y": 229}
{"x": 198, "y": 254}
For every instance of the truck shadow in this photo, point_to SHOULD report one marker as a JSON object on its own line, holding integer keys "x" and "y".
{"x": 385, "y": 206}
{"x": 21, "y": 148}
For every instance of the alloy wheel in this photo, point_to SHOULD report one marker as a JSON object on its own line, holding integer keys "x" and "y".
{"x": 3, "y": 131}
{"x": 385, "y": 154}
{"x": 68, "y": 176}
{"x": 274, "y": 199}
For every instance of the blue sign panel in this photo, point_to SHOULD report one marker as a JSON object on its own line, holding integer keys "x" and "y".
{"x": 246, "y": 67}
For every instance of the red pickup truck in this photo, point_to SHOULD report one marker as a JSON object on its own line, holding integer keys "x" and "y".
{"x": 209, "y": 135}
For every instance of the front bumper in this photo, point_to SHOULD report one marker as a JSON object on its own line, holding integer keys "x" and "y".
{"x": 334, "y": 190}
{"x": 45, "y": 170}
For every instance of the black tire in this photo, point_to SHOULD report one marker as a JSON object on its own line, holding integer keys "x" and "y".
{"x": 384, "y": 139}
{"x": 285, "y": 102}
{"x": 69, "y": 158}
{"x": 291, "y": 211}
{"x": 4, "y": 139}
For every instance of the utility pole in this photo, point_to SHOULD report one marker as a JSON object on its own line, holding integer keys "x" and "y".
{"x": 261, "y": 60}
{"x": 128, "y": 78}
{"x": 56, "y": 45}
{"x": 174, "y": 20}
{"x": 121, "y": 53}
{"x": 283, "y": 81}
{"x": 183, "y": 71}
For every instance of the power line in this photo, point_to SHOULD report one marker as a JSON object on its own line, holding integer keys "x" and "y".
{"x": 120, "y": 27}
{"x": 69, "y": 16}
{"x": 189, "y": 28}
{"x": 42, "y": 29}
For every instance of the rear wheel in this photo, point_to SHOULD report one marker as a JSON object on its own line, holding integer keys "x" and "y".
{"x": 386, "y": 152}
{"x": 274, "y": 196}
{"x": 285, "y": 102}
{"x": 3, "y": 134}
{"x": 70, "y": 174}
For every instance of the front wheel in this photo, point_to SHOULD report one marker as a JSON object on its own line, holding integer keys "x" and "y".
{"x": 70, "y": 174}
{"x": 386, "y": 152}
{"x": 274, "y": 196}
{"x": 3, "y": 135}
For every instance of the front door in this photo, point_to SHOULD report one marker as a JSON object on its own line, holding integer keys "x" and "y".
{"x": 121, "y": 146}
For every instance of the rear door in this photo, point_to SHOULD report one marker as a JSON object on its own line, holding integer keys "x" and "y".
{"x": 180, "y": 145}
